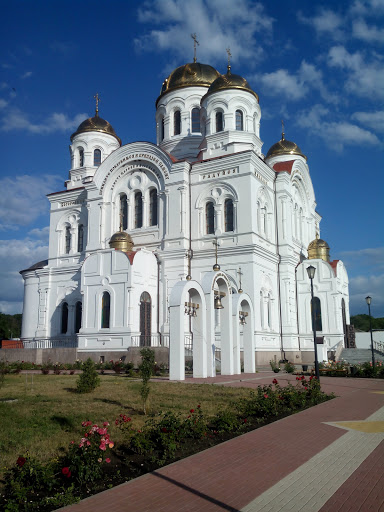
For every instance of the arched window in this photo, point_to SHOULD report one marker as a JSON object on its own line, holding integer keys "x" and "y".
{"x": 209, "y": 218}
{"x": 153, "y": 207}
{"x": 78, "y": 313}
{"x": 80, "y": 238}
{"x": 162, "y": 129}
{"x": 316, "y": 305}
{"x": 219, "y": 122}
{"x": 67, "y": 239}
{"x": 64, "y": 318}
{"x": 123, "y": 220}
{"x": 105, "y": 310}
{"x": 177, "y": 123}
{"x": 239, "y": 120}
{"x": 81, "y": 157}
{"x": 97, "y": 157}
{"x": 195, "y": 120}
{"x": 138, "y": 210}
{"x": 228, "y": 215}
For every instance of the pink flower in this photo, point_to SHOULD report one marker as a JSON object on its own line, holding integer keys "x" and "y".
{"x": 105, "y": 424}
{"x": 198, "y": 406}
{"x": 65, "y": 471}
{"x": 107, "y": 460}
{"x": 265, "y": 396}
{"x": 192, "y": 410}
{"x": 103, "y": 446}
{"x": 99, "y": 459}
{"x": 274, "y": 381}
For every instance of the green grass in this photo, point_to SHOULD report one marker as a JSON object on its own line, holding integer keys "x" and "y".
{"x": 45, "y": 418}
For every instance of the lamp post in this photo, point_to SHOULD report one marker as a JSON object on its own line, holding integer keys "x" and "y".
{"x": 368, "y": 301}
{"x": 311, "y": 274}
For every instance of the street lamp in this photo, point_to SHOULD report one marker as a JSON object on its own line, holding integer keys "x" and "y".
{"x": 311, "y": 274}
{"x": 368, "y": 301}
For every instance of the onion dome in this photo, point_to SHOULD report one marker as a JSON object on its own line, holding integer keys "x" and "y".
{"x": 318, "y": 249}
{"x": 121, "y": 241}
{"x": 284, "y": 147}
{"x": 193, "y": 74}
{"x": 230, "y": 81}
{"x": 95, "y": 124}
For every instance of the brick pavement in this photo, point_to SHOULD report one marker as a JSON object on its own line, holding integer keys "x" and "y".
{"x": 310, "y": 461}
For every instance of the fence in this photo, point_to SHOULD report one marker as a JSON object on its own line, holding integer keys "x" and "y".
{"x": 153, "y": 340}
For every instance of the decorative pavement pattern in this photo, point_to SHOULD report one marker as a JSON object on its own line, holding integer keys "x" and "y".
{"x": 329, "y": 458}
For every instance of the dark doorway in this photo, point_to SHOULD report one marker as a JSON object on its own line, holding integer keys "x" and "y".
{"x": 145, "y": 320}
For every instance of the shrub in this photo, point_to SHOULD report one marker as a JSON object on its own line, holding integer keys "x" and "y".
{"x": 84, "y": 462}
{"x": 146, "y": 371}
{"x": 89, "y": 379}
{"x": 289, "y": 367}
{"x": 275, "y": 367}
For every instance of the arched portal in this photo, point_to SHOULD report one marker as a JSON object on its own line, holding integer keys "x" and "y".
{"x": 243, "y": 333}
{"x": 145, "y": 319}
{"x": 187, "y": 322}
{"x": 218, "y": 295}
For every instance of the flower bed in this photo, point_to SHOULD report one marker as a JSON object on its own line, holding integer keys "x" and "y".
{"x": 94, "y": 463}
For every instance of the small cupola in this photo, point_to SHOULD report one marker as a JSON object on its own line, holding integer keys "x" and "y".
{"x": 121, "y": 241}
{"x": 284, "y": 147}
{"x": 318, "y": 249}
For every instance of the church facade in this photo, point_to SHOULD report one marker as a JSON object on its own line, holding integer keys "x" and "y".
{"x": 199, "y": 242}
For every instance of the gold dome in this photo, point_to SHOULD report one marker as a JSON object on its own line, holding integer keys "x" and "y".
{"x": 230, "y": 81}
{"x": 190, "y": 75}
{"x": 96, "y": 124}
{"x": 284, "y": 147}
{"x": 318, "y": 249}
{"x": 121, "y": 241}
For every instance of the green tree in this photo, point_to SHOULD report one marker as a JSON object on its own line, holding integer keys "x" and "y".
{"x": 361, "y": 322}
{"x": 89, "y": 379}
{"x": 146, "y": 371}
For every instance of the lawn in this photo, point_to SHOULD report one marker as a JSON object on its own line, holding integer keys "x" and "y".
{"x": 46, "y": 415}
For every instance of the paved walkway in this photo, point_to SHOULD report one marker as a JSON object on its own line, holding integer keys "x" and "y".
{"x": 328, "y": 458}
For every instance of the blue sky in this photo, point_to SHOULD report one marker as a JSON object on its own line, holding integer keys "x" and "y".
{"x": 317, "y": 65}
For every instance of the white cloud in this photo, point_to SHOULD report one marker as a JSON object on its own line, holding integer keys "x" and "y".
{"x": 16, "y": 255}
{"x": 366, "y": 270}
{"x": 22, "y": 199}
{"x": 336, "y": 133}
{"x": 3, "y": 103}
{"x": 15, "y": 119}
{"x": 326, "y": 22}
{"x": 367, "y": 7}
{"x": 374, "y": 120}
{"x": 365, "y": 74}
{"x": 27, "y": 74}
{"x": 295, "y": 85}
{"x": 11, "y": 308}
{"x": 362, "y": 286}
{"x": 216, "y": 23}
{"x": 40, "y": 233}
{"x": 371, "y": 34}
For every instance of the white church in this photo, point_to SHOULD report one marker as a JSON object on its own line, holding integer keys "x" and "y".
{"x": 199, "y": 243}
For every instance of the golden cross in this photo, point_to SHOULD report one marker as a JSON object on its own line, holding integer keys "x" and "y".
{"x": 97, "y": 98}
{"x": 228, "y": 50}
{"x": 195, "y": 43}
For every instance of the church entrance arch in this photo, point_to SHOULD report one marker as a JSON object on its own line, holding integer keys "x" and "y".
{"x": 145, "y": 319}
{"x": 243, "y": 333}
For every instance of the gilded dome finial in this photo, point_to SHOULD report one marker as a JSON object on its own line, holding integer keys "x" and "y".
{"x": 97, "y": 98}
{"x": 195, "y": 43}
{"x": 228, "y": 50}
{"x": 282, "y": 130}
